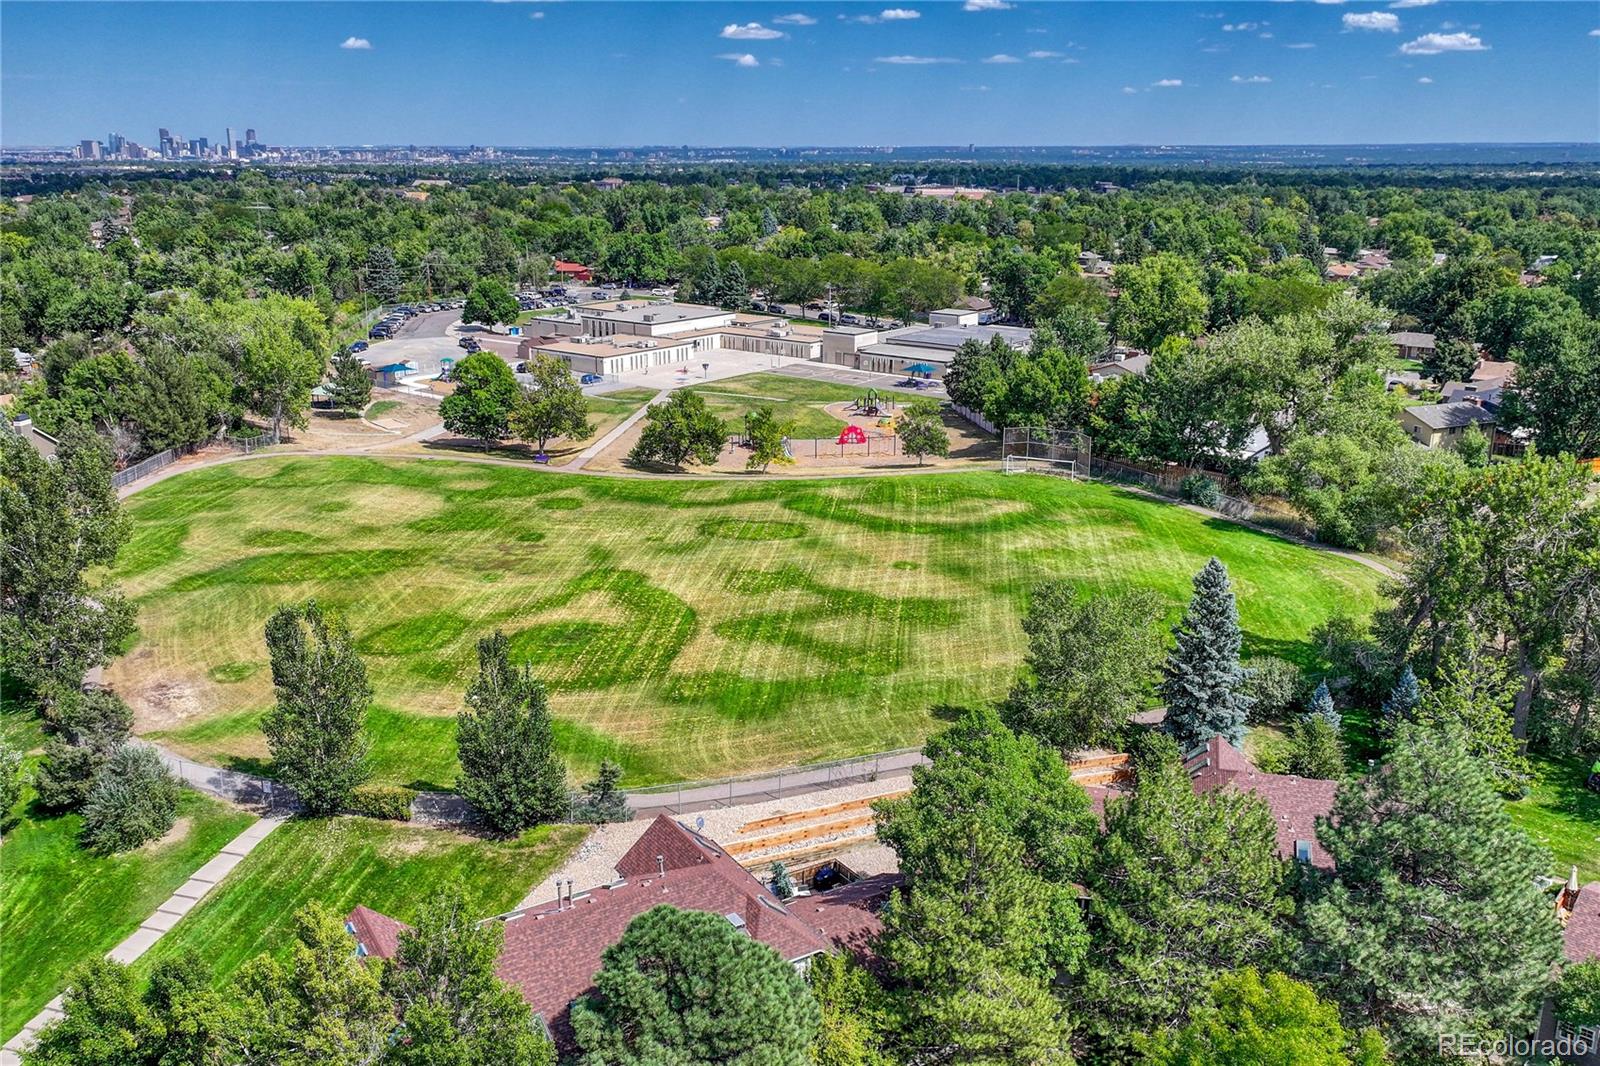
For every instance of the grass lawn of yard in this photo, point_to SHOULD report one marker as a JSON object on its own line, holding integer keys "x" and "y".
{"x": 60, "y": 904}
{"x": 1562, "y": 815}
{"x": 388, "y": 866}
{"x": 685, "y": 629}
{"x": 606, "y": 409}
{"x": 383, "y": 407}
{"x": 797, "y": 402}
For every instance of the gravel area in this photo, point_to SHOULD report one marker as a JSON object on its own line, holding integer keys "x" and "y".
{"x": 594, "y": 863}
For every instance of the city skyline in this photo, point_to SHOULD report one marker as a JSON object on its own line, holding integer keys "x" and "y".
{"x": 980, "y": 71}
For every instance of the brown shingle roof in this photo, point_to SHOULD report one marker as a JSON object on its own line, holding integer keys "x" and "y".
{"x": 1582, "y": 938}
{"x": 376, "y": 934}
{"x": 551, "y": 953}
{"x": 1296, "y": 802}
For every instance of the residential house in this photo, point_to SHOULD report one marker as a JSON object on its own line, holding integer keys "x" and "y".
{"x": 551, "y": 952}
{"x": 610, "y": 184}
{"x": 1121, "y": 363}
{"x": 1578, "y": 909}
{"x": 1409, "y": 345}
{"x": 1341, "y": 272}
{"x": 1296, "y": 802}
{"x": 1440, "y": 425}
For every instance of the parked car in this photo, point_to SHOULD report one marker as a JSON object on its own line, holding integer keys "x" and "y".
{"x": 590, "y": 379}
{"x": 469, "y": 343}
{"x": 359, "y": 346}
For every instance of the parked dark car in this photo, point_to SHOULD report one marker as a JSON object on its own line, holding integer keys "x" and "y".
{"x": 359, "y": 346}
{"x": 469, "y": 343}
{"x": 590, "y": 379}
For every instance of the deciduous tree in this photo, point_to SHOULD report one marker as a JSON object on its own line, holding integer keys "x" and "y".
{"x": 677, "y": 430}
{"x": 485, "y": 397}
{"x": 921, "y": 430}
{"x": 317, "y": 729}
{"x": 552, "y": 404}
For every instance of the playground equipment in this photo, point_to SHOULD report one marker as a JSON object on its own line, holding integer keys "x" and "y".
{"x": 872, "y": 404}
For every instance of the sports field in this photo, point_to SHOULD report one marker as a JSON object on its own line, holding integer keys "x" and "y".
{"x": 685, "y": 629}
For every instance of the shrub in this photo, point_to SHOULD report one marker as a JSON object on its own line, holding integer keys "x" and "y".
{"x": 66, "y": 774}
{"x": 1315, "y": 750}
{"x": 1200, "y": 490}
{"x": 134, "y": 800}
{"x": 1271, "y": 752}
{"x": 1277, "y": 685}
{"x": 382, "y": 801}
{"x": 602, "y": 801}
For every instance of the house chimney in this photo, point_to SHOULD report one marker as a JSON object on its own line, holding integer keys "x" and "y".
{"x": 661, "y": 865}
{"x": 569, "y": 891}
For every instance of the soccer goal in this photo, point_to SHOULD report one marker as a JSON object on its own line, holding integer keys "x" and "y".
{"x": 1055, "y": 450}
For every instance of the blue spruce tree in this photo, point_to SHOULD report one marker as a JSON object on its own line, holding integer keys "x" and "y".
{"x": 1321, "y": 706}
{"x": 1403, "y": 701}
{"x": 1203, "y": 682}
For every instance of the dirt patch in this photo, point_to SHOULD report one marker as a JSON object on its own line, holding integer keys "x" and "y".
{"x": 179, "y": 830}
{"x": 163, "y": 703}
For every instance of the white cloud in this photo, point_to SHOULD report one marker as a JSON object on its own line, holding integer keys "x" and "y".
{"x": 1043, "y": 53}
{"x": 749, "y": 31}
{"x": 897, "y": 14}
{"x": 986, "y": 5}
{"x": 536, "y": 14}
{"x": 1168, "y": 83}
{"x": 1372, "y": 20}
{"x": 1594, "y": 33}
{"x": 1254, "y": 79}
{"x": 914, "y": 61}
{"x": 1424, "y": 81}
{"x": 1001, "y": 57}
{"x": 1431, "y": 44}
{"x": 1330, "y": 1}
{"x": 1129, "y": 89}
{"x": 1399, "y": 4}
{"x": 1300, "y": 45}
{"x": 1240, "y": 27}
{"x": 1265, "y": 36}
{"x": 796, "y": 19}
{"x": 740, "y": 59}
{"x": 357, "y": 44}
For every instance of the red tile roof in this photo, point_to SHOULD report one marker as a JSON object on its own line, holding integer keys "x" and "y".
{"x": 1296, "y": 802}
{"x": 1582, "y": 938}
{"x": 552, "y": 952}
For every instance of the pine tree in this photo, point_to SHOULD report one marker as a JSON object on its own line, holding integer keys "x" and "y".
{"x": 1315, "y": 750}
{"x": 134, "y": 800}
{"x": 735, "y": 288}
{"x": 383, "y": 274}
{"x": 1321, "y": 706}
{"x": 1185, "y": 885}
{"x": 769, "y": 222}
{"x": 317, "y": 729}
{"x": 686, "y": 986}
{"x": 603, "y": 801}
{"x": 782, "y": 882}
{"x": 1434, "y": 921}
{"x": 349, "y": 386}
{"x": 1203, "y": 680}
{"x": 1403, "y": 700}
{"x": 1475, "y": 690}
{"x": 510, "y": 771}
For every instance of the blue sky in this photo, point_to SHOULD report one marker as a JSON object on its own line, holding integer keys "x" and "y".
{"x": 985, "y": 71}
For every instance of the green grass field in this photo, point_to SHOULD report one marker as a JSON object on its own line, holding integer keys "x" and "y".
{"x": 796, "y": 402}
{"x": 1562, "y": 815}
{"x": 60, "y": 904}
{"x": 381, "y": 408}
{"x": 685, "y": 629}
{"x": 388, "y": 866}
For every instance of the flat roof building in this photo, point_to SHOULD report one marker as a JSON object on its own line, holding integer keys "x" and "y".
{"x": 896, "y": 351}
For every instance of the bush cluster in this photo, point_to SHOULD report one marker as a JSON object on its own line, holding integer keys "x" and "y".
{"x": 1200, "y": 490}
{"x": 391, "y": 802}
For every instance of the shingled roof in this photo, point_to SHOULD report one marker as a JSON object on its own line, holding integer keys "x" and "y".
{"x": 1296, "y": 802}
{"x": 1581, "y": 941}
{"x": 552, "y": 952}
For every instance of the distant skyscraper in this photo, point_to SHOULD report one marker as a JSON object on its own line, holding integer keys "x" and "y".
{"x": 249, "y": 136}
{"x": 227, "y": 145}
{"x": 88, "y": 149}
{"x": 164, "y": 144}
{"x": 114, "y": 144}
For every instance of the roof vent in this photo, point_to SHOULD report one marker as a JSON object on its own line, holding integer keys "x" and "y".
{"x": 737, "y": 921}
{"x": 1302, "y": 851}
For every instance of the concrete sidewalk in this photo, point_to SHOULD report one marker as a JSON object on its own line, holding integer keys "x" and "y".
{"x": 617, "y": 431}
{"x": 181, "y": 902}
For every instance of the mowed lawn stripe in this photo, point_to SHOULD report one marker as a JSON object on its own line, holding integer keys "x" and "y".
{"x": 688, "y": 629}
{"x": 389, "y": 866}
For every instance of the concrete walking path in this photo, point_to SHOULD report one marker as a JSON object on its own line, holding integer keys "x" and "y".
{"x": 616, "y": 432}
{"x": 181, "y": 902}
